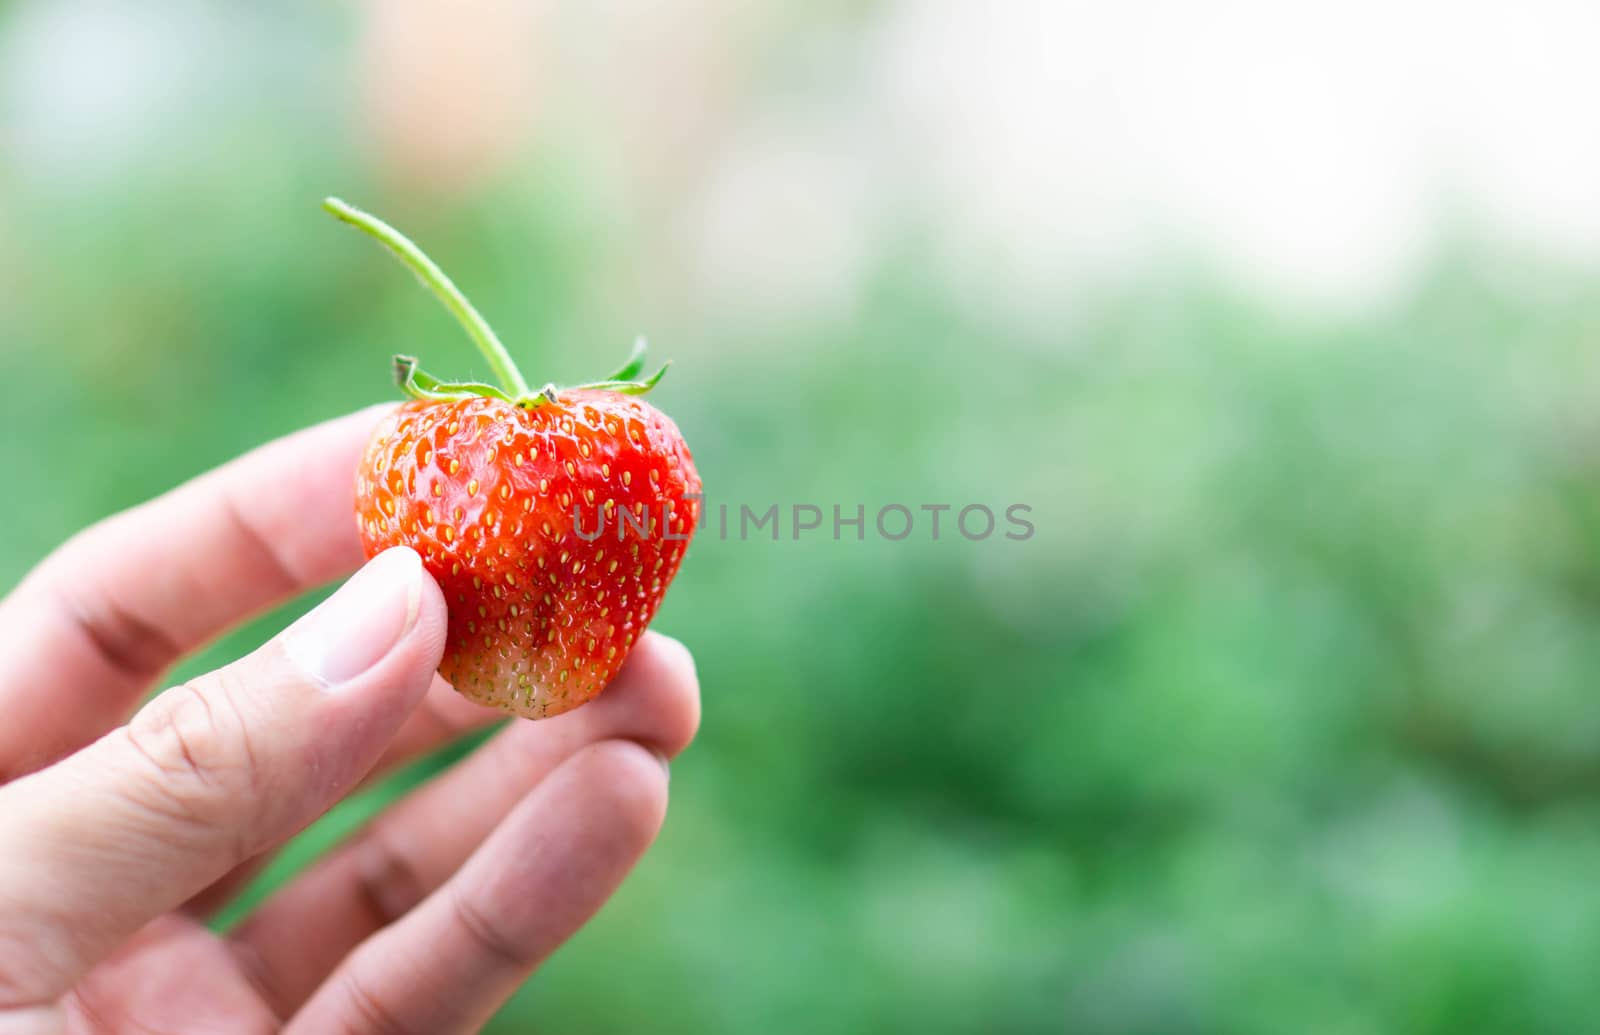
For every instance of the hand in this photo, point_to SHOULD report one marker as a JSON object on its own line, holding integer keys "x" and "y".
{"x": 118, "y": 836}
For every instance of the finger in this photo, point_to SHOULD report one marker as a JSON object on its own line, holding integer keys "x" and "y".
{"x": 443, "y": 717}
{"x": 410, "y": 850}
{"x": 207, "y": 775}
{"x": 450, "y": 963}
{"x": 89, "y": 629}
{"x": 172, "y": 976}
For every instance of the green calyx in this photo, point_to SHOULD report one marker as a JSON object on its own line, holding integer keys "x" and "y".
{"x": 419, "y": 384}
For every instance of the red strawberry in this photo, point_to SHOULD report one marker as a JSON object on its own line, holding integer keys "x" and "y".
{"x": 553, "y": 520}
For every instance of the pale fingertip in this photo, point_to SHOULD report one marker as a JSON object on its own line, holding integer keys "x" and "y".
{"x": 677, "y": 656}
{"x": 359, "y": 625}
{"x": 659, "y": 693}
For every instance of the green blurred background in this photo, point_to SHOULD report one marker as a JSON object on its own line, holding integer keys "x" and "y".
{"x": 1284, "y": 719}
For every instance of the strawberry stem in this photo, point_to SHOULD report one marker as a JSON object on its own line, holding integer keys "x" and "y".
{"x": 443, "y": 288}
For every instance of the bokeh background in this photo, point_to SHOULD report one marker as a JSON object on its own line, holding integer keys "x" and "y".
{"x": 1284, "y": 318}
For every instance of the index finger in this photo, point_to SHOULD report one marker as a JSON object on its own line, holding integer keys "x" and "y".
{"x": 89, "y": 629}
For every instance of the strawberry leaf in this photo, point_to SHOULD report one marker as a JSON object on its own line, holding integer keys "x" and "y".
{"x": 630, "y": 370}
{"x": 419, "y": 384}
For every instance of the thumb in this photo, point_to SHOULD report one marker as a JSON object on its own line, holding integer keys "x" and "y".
{"x": 207, "y": 775}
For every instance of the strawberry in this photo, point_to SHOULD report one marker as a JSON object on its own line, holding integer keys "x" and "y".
{"x": 553, "y": 521}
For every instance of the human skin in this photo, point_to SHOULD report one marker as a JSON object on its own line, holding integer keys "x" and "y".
{"x": 120, "y": 835}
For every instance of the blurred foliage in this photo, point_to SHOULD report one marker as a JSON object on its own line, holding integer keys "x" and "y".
{"x": 1283, "y": 721}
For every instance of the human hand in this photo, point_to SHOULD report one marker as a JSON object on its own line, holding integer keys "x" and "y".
{"x": 119, "y": 837}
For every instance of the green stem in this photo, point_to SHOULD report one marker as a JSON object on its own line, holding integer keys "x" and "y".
{"x": 431, "y": 275}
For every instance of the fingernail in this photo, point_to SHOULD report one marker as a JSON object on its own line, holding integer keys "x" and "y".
{"x": 356, "y": 627}
{"x": 666, "y": 766}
